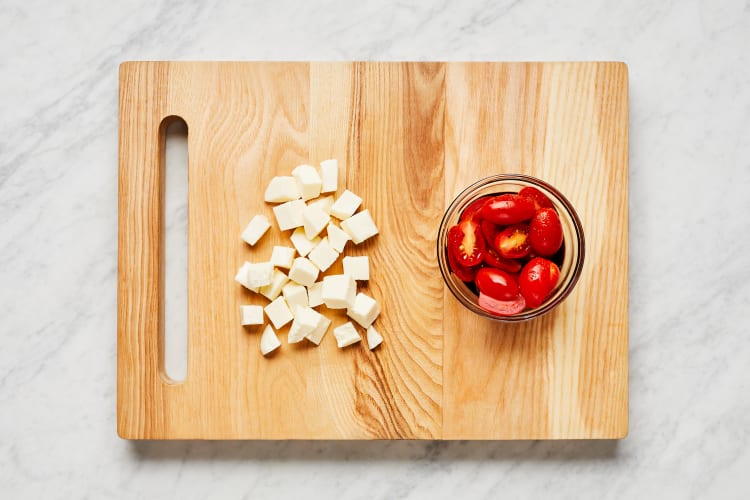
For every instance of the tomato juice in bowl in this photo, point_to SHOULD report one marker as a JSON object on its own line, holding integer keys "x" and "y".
{"x": 484, "y": 249}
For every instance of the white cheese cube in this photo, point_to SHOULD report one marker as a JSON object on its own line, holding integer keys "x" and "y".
{"x": 317, "y": 335}
{"x": 255, "y": 229}
{"x": 364, "y": 310}
{"x": 289, "y": 214}
{"x": 278, "y": 312}
{"x": 329, "y": 174}
{"x": 241, "y": 277}
{"x": 374, "y": 339}
{"x": 346, "y": 205}
{"x": 357, "y": 267}
{"x": 314, "y": 220}
{"x": 337, "y": 237}
{"x": 252, "y": 315}
{"x": 259, "y": 274}
{"x": 301, "y": 243}
{"x": 360, "y": 227}
{"x": 323, "y": 255}
{"x": 269, "y": 341}
{"x": 346, "y": 334}
{"x": 273, "y": 289}
{"x": 282, "y": 189}
{"x": 282, "y": 256}
{"x": 324, "y": 203}
{"x": 339, "y": 291}
{"x": 305, "y": 322}
{"x": 309, "y": 182}
{"x": 315, "y": 294}
{"x": 295, "y": 295}
{"x": 303, "y": 271}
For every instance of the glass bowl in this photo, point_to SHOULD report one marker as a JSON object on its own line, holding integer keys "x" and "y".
{"x": 573, "y": 242}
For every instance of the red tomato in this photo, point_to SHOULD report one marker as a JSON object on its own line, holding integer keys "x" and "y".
{"x": 538, "y": 278}
{"x": 513, "y": 242}
{"x": 539, "y": 199}
{"x": 545, "y": 232}
{"x": 490, "y": 230}
{"x": 467, "y": 243}
{"x": 497, "y": 284}
{"x": 472, "y": 211}
{"x": 508, "y": 209}
{"x": 493, "y": 259}
{"x": 502, "y": 307}
{"x": 463, "y": 273}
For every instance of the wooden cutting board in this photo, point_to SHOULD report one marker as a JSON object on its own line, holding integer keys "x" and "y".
{"x": 409, "y": 137}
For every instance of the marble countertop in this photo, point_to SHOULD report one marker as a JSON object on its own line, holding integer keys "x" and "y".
{"x": 689, "y": 240}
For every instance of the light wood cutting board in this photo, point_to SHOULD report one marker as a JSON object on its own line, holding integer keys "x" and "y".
{"x": 409, "y": 137}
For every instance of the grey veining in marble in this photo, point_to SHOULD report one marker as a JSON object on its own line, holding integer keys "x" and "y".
{"x": 690, "y": 247}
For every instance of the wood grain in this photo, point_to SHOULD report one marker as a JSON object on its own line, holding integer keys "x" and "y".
{"x": 408, "y": 137}
{"x": 563, "y": 375}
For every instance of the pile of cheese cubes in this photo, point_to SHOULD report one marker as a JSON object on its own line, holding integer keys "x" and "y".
{"x": 293, "y": 296}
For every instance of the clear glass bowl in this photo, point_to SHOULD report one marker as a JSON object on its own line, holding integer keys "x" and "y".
{"x": 573, "y": 241}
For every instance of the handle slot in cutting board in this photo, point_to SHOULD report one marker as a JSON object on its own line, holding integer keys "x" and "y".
{"x": 173, "y": 331}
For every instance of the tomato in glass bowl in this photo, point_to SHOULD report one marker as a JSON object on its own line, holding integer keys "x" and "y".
{"x": 510, "y": 247}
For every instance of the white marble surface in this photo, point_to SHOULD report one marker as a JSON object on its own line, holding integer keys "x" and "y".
{"x": 690, "y": 241}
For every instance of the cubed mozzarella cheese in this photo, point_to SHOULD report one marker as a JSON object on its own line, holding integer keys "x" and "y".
{"x": 295, "y": 295}
{"x": 323, "y": 255}
{"x": 329, "y": 174}
{"x": 278, "y": 312}
{"x": 251, "y": 315}
{"x": 357, "y": 267}
{"x": 273, "y": 289}
{"x": 289, "y": 214}
{"x": 303, "y": 271}
{"x": 360, "y": 226}
{"x": 282, "y": 189}
{"x": 374, "y": 339}
{"x": 242, "y": 275}
{"x": 314, "y": 221}
{"x": 255, "y": 229}
{"x": 305, "y": 321}
{"x": 339, "y": 291}
{"x": 324, "y": 203}
{"x": 322, "y": 327}
{"x": 301, "y": 243}
{"x": 259, "y": 274}
{"x": 364, "y": 310}
{"x": 269, "y": 341}
{"x": 346, "y": 205}
{"x": 337, "y": 237}
{"x": 282, "y": 256}
{"x": 315, "y": 294}
{"x": 309, "y": 182}
{"x": 346, "y": 334}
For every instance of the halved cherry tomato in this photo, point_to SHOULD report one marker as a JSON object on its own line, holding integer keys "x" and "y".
{"x": 537, "y": 280}
{"x": 493, "y": 259}
{"x": 545, "y": 232}
{"x": 497, "y": 284}
{"x": 467, "y": 243}
{"x": 513, "y": 242}
{"x": 463, "y": 273}
{"x": 508, "y": 209}
{"x": 502, "y": 307}
{"x": 539, "y": 199}
{"x": 472, "y": 211}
